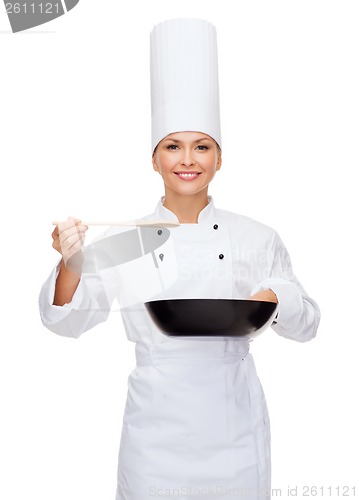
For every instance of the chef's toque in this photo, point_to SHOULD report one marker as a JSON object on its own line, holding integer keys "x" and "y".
{"x": 184, "y": 79}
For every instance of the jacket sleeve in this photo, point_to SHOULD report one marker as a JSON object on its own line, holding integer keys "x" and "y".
{"x": 298, "y": 314}
{"x": 89, "y": 306}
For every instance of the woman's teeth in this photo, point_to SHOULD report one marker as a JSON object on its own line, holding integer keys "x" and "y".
{"x": 188, "y": 176}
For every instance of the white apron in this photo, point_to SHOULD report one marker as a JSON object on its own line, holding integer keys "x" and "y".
{"x": 195, "y": 424}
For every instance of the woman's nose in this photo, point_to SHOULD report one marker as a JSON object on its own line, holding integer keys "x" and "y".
{"x": 187, "y": 158}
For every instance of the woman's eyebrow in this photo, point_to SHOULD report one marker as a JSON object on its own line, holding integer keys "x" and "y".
{"x": 194, "y": 142}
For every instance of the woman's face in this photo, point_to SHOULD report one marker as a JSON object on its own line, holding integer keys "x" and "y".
{"x": 187, "y": 161}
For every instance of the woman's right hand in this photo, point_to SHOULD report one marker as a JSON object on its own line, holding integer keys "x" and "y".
{"x": 68, "y": 238}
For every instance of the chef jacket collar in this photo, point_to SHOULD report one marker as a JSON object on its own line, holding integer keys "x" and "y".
{"x": 206, "y": 213}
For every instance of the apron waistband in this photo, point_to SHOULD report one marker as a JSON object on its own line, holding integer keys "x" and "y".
{"x": 192, "y": 351}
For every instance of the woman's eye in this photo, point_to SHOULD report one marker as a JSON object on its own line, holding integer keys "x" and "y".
{"x": 202, "y": 147}
{"x": 172, "y": 146}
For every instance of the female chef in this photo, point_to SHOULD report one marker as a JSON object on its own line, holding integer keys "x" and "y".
{"x": 195, "y": 423}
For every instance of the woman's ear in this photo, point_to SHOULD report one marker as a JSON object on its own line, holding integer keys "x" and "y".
{"x": 155, "y": 167}
{"x": 154, "y": 162}
{"x": 219, "y": 162}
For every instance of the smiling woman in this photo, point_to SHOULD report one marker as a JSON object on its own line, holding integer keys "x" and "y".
{"x": 196, "y": 418}
{"x": 187, "y": 162}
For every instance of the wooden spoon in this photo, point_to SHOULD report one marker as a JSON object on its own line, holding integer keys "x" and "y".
{"x": 138, "y": 222}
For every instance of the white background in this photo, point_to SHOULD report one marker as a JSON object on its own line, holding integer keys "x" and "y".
{"x": 75, "y": 140}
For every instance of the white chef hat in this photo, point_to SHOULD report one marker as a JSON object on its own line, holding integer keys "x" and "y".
{"x": 184, "y": 79}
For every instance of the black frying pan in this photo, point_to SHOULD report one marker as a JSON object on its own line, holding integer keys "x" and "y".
{"x": 211, "y": 317}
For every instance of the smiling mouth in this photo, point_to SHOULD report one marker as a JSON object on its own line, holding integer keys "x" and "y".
{"x": 188, "y": 176}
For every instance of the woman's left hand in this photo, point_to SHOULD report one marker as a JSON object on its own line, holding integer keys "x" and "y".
{"x": 265, "y": 295}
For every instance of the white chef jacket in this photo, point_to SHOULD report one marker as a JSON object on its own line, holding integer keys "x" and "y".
{"x": 196, "y": 419}
{"x": 254, "y": 259}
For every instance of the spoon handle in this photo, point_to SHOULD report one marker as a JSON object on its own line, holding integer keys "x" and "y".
{"x": 138, "y": 222}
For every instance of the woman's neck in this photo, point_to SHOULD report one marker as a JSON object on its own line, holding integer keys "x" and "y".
{"x": 186, "y": 207}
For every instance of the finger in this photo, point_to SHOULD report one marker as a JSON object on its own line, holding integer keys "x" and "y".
{"x": 70, "y": 238}
{"x": 69, "y": 222}
{"x": 74, "y": 247}
{"x": 64, "y": 225}
{"x": 75, "y": 219}
{"x": 72, "y": 234}
{"x": 71, "y": 228}
{"x": 67, "y": 245}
